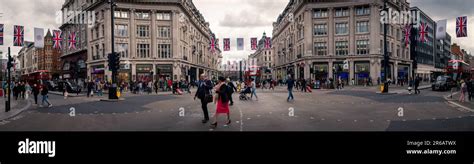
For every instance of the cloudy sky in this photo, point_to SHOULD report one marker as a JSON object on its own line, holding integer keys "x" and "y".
{"x": 228, "y": 19}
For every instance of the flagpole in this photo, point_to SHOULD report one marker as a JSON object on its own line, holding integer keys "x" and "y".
{"x": 386, "y": 58}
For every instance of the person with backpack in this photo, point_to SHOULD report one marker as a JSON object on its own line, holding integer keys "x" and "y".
{"x": 44, "y": 94}
{"x": 232, "y": 88}
{"x": 222, "y": 101}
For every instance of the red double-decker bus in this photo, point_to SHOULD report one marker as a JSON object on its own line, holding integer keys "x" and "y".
{"x": 458, "y": 69}
{"x": 38, "y": 77}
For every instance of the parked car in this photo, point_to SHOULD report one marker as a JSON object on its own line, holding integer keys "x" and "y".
{"x": 71, "y": 87}
{"x": 443, "y": 83}
{"x": 52, "y": 85}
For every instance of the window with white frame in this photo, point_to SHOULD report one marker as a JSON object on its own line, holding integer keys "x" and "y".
{"x": 342, "y": 12}
{"x": 320, "y": 29}
{"x": 362, "y": 27}
{"x": 363, "y": 10}
{"x": 320, "y": 13}
{"x": 121, "y": 30}
{"x": 142, "y": 15}
{"x": 122, "y": 49}
{"x": 342, "y": 28}
{"x": 163, "y": 16}
{"x": 362, "y": 47}
{"x": 164, "y": 32}
{"x": 164, "y": 51}
{"x": 143, "y": 31}
{"x": 320, "y": 48}
{"x": 143, "y": 50}
{"x": 342, "y": 48}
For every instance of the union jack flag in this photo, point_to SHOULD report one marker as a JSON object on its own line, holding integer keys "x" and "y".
{"x": 213, "y": 44}
{"x": 57, "y": 40}
{"x": 423, "y": 32}
{"x": 253, "y": 43}
{"x": 72, "y": 40}
{"x": 226, "y": 44}
{"x": 18, "y": 35}
{"x": 1, "y": 34}
{"x": 461, "y": 26}
{"x": 268, "y": 43}
{"x": 407, "y": 31}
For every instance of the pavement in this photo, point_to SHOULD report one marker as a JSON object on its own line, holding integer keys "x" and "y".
{"x": 350, "y": 109}
{"x": 16, "y": 107}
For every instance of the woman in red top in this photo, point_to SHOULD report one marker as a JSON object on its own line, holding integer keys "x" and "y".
{"x": 222, "y": 100}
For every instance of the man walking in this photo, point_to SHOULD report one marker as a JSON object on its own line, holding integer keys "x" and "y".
{"x": 204, "y": 94}
{"x": 44, "y": 94}
{"x": 290, "y": 82}
{"x": 36, "y": 91}
{"x": 417, "y": 84}
{"x": 232, "y": 88}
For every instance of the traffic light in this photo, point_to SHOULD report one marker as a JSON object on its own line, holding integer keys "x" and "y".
{"x": 10, "y": 62}
{"x": 116, "y": 61}
{"x": 111, "y": 61}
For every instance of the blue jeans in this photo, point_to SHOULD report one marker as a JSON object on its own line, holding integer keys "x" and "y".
{"x": 101, "y": 93}
{"x": 290, "y": 94}
{"x": 254, "y": 92}
{"x": 45, "y": 99}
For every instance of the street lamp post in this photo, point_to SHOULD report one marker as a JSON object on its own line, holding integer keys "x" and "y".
{"x": 386, "y": 57}
{"x": 113, "y": 89}
{"x": 9, "y": 65}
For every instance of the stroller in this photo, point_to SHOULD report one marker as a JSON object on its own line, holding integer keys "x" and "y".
{"x": 243, "y": 94}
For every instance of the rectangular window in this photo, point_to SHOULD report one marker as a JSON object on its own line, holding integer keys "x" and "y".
{"x": 362, "y": 27}
{"x": 122, "y": 49}
{"x": 363, "y": 10}
{"x": 320, "y": 48}
{"x": 121, "y": 14}
{"x": 164, "y": 51}
{"x": 362, "y": 47}
{"x": 342, "y": 48}
{"x": 320, "y": 29}
{"x": 342, "y": 12}
{"x": 142, "y": 15}
{"x": 163, "y": 16}
{"x": 164, "y": 32}
{"x": 342, "y": 28}
{"x": 320, "y": 13}
{"x": 143, "y": 31}
{"x": 143, "y": 50}
{"x": 121, "y": 30}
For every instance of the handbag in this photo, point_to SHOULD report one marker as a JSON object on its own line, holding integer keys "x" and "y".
{"x": 209, "y": 98}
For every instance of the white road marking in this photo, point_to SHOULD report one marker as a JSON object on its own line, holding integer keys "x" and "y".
{"x": 355, "y": 120}
{"x": 460, "y": 117}
{"x": 404, "y": 120}
{"x": 434, "y": 118}
{"x": 312, "y": 118}
{"x": 388, "y": 120}
{"x": 322, "y": 119}
{"x": 371, "y": 121}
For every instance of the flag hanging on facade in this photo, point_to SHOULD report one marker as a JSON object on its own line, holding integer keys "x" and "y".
{"x": 18, "y": 35}
{"x": 253, "y": 43}
{"x": 441, "y": 29}
{"x": 268, "y": 43}
{"x": 212, "y": 45}
{"x": 407, "y": 35}
{"x": 72, "y": 40}
{"x": 461, "y": 26}
{"x": 1, "y": 34}
{"x": 57, "y": 40}
{"x": 39, "y": 37}
{"x": 240, "y": 44}
{"x": 423, "y": 32}
{"x": 226, "y": 44}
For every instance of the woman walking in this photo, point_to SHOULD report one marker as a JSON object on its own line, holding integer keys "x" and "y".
{"x": 254, "y": 90}
{"x": 222, "y": 101}
{"x": 27, "y": 91}
{"x": 463, "y": 91}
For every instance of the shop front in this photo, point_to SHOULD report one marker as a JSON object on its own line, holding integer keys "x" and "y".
{"x": 389, "y": 71}
{"x": 320, "y": 71}
{"x": 340, "y": 72}
{"x": 403, "y": 73}
{"x": 192, "y": 72}
{"x": 124, "y": 74}
{"x": 98, "y": 73}
{"x": 164, "y": 71}
{"x": 361, "y": 73}
{"x": 144, "y": 72}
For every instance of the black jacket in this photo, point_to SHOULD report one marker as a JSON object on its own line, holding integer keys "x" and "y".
{"x": 204, "y": 87}
{"x": 231, "y": 87}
